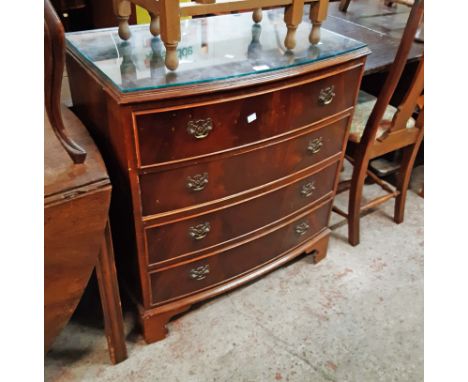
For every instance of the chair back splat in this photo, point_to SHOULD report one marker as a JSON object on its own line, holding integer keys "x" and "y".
{"x": 395, "y": 73}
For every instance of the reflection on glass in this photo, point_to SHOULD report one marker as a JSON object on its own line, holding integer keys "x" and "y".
{"x": 204, "y": 35}
{"x": 127, "y": 67}
{"x": 314, "y": 51}
{"x": 158, "y": 71}
{"x": 157, "y": 58}
{"x": 254, "y": 51}
{"x": 215, "y": 48}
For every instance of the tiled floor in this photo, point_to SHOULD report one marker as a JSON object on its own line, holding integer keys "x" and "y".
{"x": 356, "y": 316}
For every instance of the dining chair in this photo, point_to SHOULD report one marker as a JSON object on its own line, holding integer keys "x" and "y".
{"x": 379, "y": 128}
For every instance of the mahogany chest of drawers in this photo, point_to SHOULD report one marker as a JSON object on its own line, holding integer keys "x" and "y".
{"x": 221, "y": 173}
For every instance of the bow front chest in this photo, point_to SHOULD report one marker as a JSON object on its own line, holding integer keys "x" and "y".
{"x": 223, "y": 170}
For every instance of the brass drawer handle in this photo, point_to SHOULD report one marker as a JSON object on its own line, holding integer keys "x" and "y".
{"x": 302, "y": 228}
{"x": 200, "y": 128}
{"x": 308, "y": 189}
{"x": 197, "y": 182}
{"x": 315, "y": 145}
{"x": 199, "y": 231}
{"x": 327, "y": 95}
{"x": 200, "y": 273}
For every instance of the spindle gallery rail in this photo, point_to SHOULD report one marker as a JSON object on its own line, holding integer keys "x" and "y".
{"x": 166, "y": 15}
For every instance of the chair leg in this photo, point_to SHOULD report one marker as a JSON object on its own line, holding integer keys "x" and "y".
{"x": 344, "y": 4}
{"x": 110, "y": 300}
{"x": 354, "y": 204}
{"x": 406, "y": 168}
{"x": 123, "y": 10}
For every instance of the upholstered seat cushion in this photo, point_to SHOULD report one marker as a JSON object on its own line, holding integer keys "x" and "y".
{"x": 364, "y": 107}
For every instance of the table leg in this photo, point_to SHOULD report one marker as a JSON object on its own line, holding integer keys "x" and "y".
{"x": 318, "y": 13}
{"x": 344, "y": 4}
{"x": 154, "y": 25}
{"x": 257, "y": 15}
{"x": 123, "y": 10}
{"x": 292, "y": 18}
{"x": 110, "y": 300}
{"x": 170, "y": 31}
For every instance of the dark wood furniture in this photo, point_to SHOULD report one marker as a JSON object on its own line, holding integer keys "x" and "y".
{"x": 344, "y": 4}
{"x": 79, "y": 15}
{"x": 77, "y": 237}
{"x": 219, "y": 181}
{"x": 77, "y": 193}
{"x": 378, "y": 129}
{"x": 377, "y": 25}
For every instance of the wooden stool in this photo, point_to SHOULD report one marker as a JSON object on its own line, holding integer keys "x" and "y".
{"x": 166, "y": 15}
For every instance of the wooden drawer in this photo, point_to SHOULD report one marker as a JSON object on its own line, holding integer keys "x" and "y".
{"x": 218, "y": 179}
{"x": 190, "y": 236}
{"x": 193, "y": 276}
{"x": 172, "y": 135}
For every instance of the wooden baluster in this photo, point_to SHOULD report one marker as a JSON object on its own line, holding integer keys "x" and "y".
{"x": 155, "y": 28}
{"x": 123, "y": 10}
{"x": 170, "y": 31}
{"x": 257, "y": 15}
{"x": 292, "y": 18}
{"x": 318, "y": 13}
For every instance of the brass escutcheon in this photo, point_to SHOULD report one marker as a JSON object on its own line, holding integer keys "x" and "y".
{"x": 308, "y": 189}
{"x": 200, "y": 128}
{"x": 326, "y": 95}
{"x": 302, "y": 228}
{"x": 200, "y": 273}
{"x": 315, "y": 145}
{"x": 199, "y": 231}
{"x": 197, "y": 182}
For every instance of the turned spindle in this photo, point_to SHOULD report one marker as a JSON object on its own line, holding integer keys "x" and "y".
{"x": 318, "y": 14}
{"x": 257, "y": 15}
{"x": 290, "y": 40}
{"x": 154, "y": 25}
{"x": 124, "y": 28}
{"x": 314, "y": 36}
{"x": 172, "y": 60}
{"x": 123, "y": 10}
{"x": 292, "y": 17}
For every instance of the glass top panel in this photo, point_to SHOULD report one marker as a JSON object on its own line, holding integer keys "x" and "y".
{"x": 211, "y": 48}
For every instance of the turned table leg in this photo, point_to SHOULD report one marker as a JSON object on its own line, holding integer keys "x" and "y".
{"x": 123, "y": 10}
{"x": 292, "y": 18}
{"x": 257, "y": 15}
{"x": 110, "y": 300}
{"x": 154, "y": 25}
{"x": 318, "y": 13}
{"x": 170, "y": 31}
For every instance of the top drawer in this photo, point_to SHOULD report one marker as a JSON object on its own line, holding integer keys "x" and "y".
{"x": 203, "y": 129}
